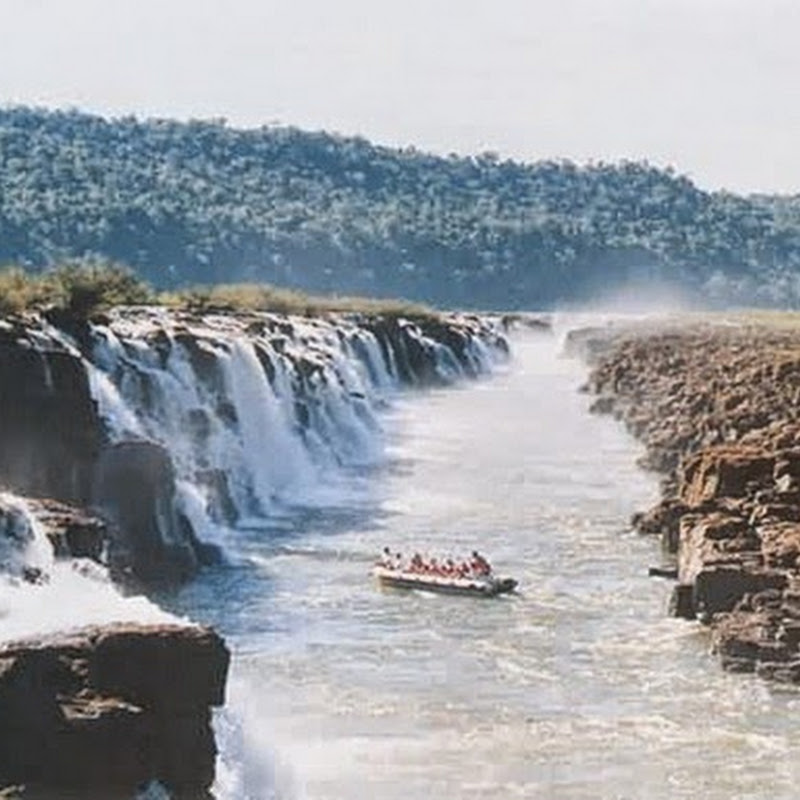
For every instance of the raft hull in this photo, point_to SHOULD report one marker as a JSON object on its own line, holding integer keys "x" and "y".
{"x": 405, "y": 580}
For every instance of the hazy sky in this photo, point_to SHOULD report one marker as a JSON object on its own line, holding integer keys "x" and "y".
{"x": 709, "y": 86}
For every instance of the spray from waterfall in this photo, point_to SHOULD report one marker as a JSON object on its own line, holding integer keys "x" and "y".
{"x": 40, "y": 594}
{"x": 263, "y": 413}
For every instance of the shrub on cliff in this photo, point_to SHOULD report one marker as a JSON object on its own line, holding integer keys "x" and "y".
{"x": 378, "y": 307}
{"x": 241, "y": 297}
{"x": 85, "y": 289}
{"x": 78, "y": 291}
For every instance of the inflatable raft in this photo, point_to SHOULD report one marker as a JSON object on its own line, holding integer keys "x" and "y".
{"x": 478, "y": 586}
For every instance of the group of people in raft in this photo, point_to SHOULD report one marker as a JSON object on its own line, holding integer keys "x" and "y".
{"x": 475, "y": 567}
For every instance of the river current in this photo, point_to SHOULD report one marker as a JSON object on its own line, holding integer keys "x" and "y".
{"x": 579, "y": 686}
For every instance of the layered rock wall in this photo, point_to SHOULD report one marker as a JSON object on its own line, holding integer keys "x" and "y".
{"x": 718, "y": 408}
{"x": 50, "y": 434}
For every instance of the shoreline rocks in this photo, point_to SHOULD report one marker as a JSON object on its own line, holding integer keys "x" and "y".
{"x": 103, "y": 711}
{"x": 718, "y": 410}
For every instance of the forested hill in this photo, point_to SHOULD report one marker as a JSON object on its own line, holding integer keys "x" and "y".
{"x": 187, "y": 203}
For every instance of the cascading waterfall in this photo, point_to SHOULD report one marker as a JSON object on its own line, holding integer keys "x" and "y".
{"x": 258, "y": 412}
{"x": 24, "y": 549}
{"x": 248, "y": 416}
{"x": 273, "y": 455}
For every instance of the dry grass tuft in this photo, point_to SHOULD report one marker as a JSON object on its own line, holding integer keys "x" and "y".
{"x": 86, "y": 289}
{"x": 263, "y": 297}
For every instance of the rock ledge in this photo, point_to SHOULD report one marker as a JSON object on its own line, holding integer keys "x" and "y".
{"x": 718, "y": 409}
{"x": 102, "y": 711}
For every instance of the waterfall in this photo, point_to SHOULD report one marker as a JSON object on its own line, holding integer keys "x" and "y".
{"x": 24, "y": 549}
{"x": 272, "y": 452}
{"x": 261, "y": 412}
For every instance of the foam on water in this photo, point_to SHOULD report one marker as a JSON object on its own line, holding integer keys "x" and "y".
{"x": 66, "y": 594}
{"x": 578, "y": 687}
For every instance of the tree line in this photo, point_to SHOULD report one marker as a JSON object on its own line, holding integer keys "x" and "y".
{"x": 199, "y": 202}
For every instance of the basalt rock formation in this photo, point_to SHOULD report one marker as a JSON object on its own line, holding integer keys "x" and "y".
{"x": 50, "y": 434}
{"x": 103, "y": 711}
{"x": 135, "y": 488}
{"x": 718, "y": 409}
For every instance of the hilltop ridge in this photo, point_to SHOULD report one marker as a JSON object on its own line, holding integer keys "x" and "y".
{"x": 198, "y": 202}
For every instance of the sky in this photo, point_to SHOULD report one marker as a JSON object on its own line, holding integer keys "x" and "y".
{"x": 710, "y": 87}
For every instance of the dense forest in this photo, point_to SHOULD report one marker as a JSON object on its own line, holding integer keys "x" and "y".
{"x": 186, "y": 203}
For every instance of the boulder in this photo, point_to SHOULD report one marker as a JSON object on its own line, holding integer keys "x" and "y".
{"x": 103, "y": 711}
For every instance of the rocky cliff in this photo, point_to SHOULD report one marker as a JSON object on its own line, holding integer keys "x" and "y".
{"x": 718, "y": 408}
{"x": 102, "y": 712}
{"x": 50, "y": 433}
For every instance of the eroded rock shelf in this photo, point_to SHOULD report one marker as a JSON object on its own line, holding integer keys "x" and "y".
{"x": 718, "y": 410}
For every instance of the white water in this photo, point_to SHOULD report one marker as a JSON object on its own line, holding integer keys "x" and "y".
{"x": 579, "y": 687}
{"x": 69, "y": 594}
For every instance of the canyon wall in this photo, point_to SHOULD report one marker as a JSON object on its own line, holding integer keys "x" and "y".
{"x": 718, "y": 409}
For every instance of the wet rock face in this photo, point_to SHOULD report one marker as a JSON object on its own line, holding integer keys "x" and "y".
{"x": 105, "y": 710}
{"x": 719, "y": 412}
{"x": 414, "y": 356}
{"x": 49, "y": 429}
{"x": 135, "y": 488}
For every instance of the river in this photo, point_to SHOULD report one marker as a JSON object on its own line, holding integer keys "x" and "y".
{"x": 579, "y": 686}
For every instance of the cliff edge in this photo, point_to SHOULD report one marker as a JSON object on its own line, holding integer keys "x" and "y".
{"x": 718, "y": 410}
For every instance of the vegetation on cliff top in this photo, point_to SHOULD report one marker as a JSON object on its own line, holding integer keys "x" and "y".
{"x": 82, "y": 290}
{"x": 199, "y": 202}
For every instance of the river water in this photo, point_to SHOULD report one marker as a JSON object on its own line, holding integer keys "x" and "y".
{"x": 579, "y": 686}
